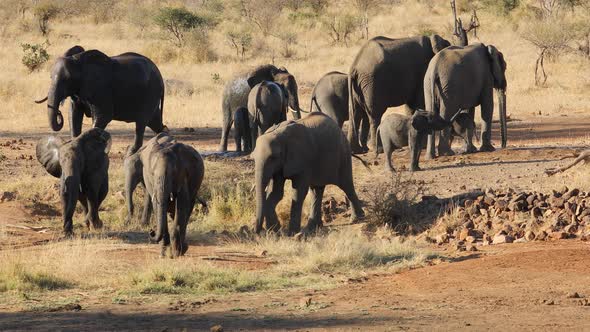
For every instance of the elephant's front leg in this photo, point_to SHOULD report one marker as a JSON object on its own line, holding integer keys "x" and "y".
{"x": 430, "y": 146}
{"x": 147, "y": 209}
{"x": 273, "y": 198}
{"x": 444, "y": 143}
{"x": 177, "y": 239}
{"x": 487, "y": 111}
{"x": 315, "y": 213}
{"x": 300, "y": 188}
{"x": 93, "y": 205}
{"x": 374, "y": 122}
{"x": 138, "y": 142}
{"x": 469, "y": 147}
{"x": 84, "y": 202}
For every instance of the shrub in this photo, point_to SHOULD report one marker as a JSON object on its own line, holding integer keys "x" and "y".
{"x": 503, "y": 7}
{"x": 240, "y": 40}
{"x": 35, "y": 55}
{"x": 44, "y": 12}
{"x": 177, "y": 22}
{"x": 339, "y": 27}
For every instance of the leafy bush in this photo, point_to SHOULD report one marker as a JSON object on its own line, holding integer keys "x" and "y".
{"x": 44, "y": 12}
{"x": 177, "y": 22}
{"x": 240, "y": 39}
{"x": 339, "y": 27}
{"x": 35, "y": 55}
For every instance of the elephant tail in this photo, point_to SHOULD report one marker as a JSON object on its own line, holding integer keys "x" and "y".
{"x": 314, "y": 100}
{"x": 378, "y": 138}
{"x": 362, "y": 161}
{"x": 435, "y": 105}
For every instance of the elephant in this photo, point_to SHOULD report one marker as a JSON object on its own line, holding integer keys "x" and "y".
{"x": 172, "y": 174}
{"x": 462, "y": 78}
{"x": 267, "y": 106}
{"x": 127, "y": 87}
{"x": 330, "y": 96}
{"x": 386, "y": 73}
{"x": 82, "y": 165}
{"x": 235, "y": 94}
{"x": 400, "y": 130}
{"x": 311, "y": 152}
{"x": 242, "y": 129}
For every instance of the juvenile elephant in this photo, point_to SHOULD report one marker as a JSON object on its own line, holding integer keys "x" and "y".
{"x": 312, "y": 153}
{"x": 386, "y": 73}
{"x": 82, "y": 165}
{"x": 242, "y": 129}
{"x": 235, "y": 94}
{"x": 400, "y": 130}
{"x": 330, "y": 96}
{"x": 127, "y": 87}
{"x": 172, "y": 174}
{"x": 267, "y": 106}
{"x": 462, "y": 78}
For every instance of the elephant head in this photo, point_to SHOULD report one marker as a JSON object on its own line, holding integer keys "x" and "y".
{"x": 498, "y": 70}
{"x": 70, "y": 161}
{"x": 281, "y": 76}
{"x": 438, "y": 43}
{"x": 86, "y": 75}
{"x": 427, "y": 122}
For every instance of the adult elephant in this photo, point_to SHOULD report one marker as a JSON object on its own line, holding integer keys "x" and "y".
{"x": 267, "y": 106}
{"x": 462, "y": 78}
{"x": 235, "y": 94}
{"x": 126, "y": 87}
{"x": 330, "y": 96}
{"x": 387, "y": 73}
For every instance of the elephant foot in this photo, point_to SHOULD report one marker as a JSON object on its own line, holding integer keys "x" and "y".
{"x": 446, "y": 152}
{"x": 312, "y": 226}
{"x": 415, "y": 168}
{"x": 357, "y": 216}
{"x": 97, "y": 224}
{"x": 487, "y": 148}
{"x": 470, "y": 149}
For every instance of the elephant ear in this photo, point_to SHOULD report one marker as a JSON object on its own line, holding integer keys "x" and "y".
{"x": 74, "y": 50}
{"x": 498, "y": 67}
{"x": 438, "y": 43}
{"x": 47, "y": 152}
{"x": 261, "y": 73}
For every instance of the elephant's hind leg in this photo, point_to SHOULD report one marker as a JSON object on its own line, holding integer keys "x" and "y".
{"x": 300, "y": 188}
{"x": 272, "y": 199}
{"x": 315, "y": 216}
{"x": 138, "y": 142}
{"x": 357, "y": 210}
{"x": 444, "y": 143}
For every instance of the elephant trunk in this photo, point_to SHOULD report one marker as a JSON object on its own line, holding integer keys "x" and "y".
{"x": 70, "y": 190}
{"x": 161, "y": 199}
{"x": 503, "y": 117}
{"x": 54, "y": 99}
{"x": 261, "y": 182}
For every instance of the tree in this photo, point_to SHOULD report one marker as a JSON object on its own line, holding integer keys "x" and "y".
{"x": 240, "y": 39}
{"x": 262, "y": 13}
{"x": 364, "y": 6}
{"x": 340, "y": 26}
{"x": 460, "y": 32}
{"x": 44, "y": 12}
{"x": 178, "y": 21}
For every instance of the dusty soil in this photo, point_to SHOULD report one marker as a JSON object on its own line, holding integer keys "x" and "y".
{"x": 515, "y": 287}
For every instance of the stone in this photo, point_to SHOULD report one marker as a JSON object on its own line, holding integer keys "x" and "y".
{"x": 572, "y": 193}
{"x": 470, "y": 239}
{"x": 557, "y": 202}
{"x": 216, "y": 328}
{"x": 442, "y": 238}
{"x": 7, "y": 196}
{"x": 529, "y": 235}
{"x": 531, "y": 199}
{"x": 558, "y": 235}
{"x": 570, "y": 229}
{"x": 501, "y": 204}
{"x": 470, "y": 247}
{"x": 573, "y": 295}
{"x": 465, "y": 232}
{"x": 502, "y": 238}
{"x": 536, "y": 212}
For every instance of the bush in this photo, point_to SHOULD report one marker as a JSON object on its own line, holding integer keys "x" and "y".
{"x": 35, "y": 55}
{"x": 177, "y": 22}
{"x": 339, "y": 27}
{"x": 44, "y": 12}
{"x": 503, "y": 7}
{"x": 240, "y": 39}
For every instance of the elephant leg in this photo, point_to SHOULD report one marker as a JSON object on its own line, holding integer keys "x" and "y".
{"x": 300, "y": 188}
{"x": 416, "y": 140}
{"x": 238, "y": 140}
{"x": 430, "y": 146}
{"x": 374, "y": 123}
{"x": 147, "y": 210}
{"x": 84, "y": 202}
{"x": 76, "y": 119}
{"x": 315, "y": 213}
{"x": 487, "y": 111}
{"x": 156, "y": 124}
{"x": 347, "y": 186}
{"x": 138, "y": 142}
{"x": 362, "y": 126}
{"x": 225, "y": 128}
{"x": 469, "y": 147}
{"x": 93, "y": 205}
{"x": 388, "y": 150}
{"x": 272, "y": 199}
{"x": 444, "y": 143}
{"x": 177, "y": 239}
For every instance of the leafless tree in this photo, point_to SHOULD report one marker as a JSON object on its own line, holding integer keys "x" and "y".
{"x": 461, "y": 33}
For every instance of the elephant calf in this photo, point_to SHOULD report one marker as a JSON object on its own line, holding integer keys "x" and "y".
{"x": 312, "y": 153}
{"x": 400, "y": 130}
{"x": 242, "y": 129}
{"x": 172, "y": 174}
{"x": 82, "y": 165}
{"x": 267, "y": 105}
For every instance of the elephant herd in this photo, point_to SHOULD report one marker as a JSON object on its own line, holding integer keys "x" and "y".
{"x": 440, "y": 85}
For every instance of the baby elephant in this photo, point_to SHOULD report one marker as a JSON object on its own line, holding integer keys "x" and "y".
{"x": 82, "y": 165}
{"x": 312, "y": 153}
{"x": 398, "y": 130}
{"x": 172, "y": 174}
{"x": 242, "y": 129}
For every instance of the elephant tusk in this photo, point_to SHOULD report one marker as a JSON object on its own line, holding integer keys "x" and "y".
{"x": 40, "y": 101}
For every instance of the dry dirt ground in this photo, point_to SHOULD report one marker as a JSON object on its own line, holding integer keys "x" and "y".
{"x": 523, "y": 286}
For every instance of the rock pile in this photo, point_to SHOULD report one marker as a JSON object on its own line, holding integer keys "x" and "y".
{"x": 507, "y": 216}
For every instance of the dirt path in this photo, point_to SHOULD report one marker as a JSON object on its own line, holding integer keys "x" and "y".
{"x": 513, "y": 287}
